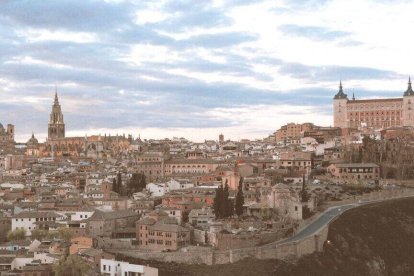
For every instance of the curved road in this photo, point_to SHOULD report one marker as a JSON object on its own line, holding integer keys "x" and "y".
{"x": 321, "y": 221}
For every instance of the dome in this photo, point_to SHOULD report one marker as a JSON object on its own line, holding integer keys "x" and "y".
{"x": 32, "y": 141}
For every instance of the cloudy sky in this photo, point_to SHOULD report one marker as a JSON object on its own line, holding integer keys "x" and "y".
{"x": 196, "y": 68}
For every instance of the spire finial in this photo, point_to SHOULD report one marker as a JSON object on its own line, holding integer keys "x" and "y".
{"x": 353, "y": 96}
{"x": 56, "y": 96}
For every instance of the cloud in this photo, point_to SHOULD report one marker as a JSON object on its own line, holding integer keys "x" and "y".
{"x": 313, "y": 32}
{"x": 75, "y": 15}
{"x": 190, "y": 66}
{"x": 332, "y": 72}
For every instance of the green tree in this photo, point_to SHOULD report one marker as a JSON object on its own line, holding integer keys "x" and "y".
{"x": 18, "y": 234}
{"x": 217, "y": 204}
{"x": 239, "y": 198}
{"x": 228, "y": 204}
{"x": 225, "y": 201}
{"x": 118, "y": 182}
{"x": 38, "y": 234}
{"x": 72, "y": 266}
{"x": 304, "y": 196}
{"x": 136, "y": 184}
{"x": 114, "y": 186}
{"x": 65, "y": 233}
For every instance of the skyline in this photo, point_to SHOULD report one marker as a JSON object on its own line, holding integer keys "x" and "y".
{"x": 196, "y": 70}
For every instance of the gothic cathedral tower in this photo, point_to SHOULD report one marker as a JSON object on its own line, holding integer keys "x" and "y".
{"x": 56, "y": 125}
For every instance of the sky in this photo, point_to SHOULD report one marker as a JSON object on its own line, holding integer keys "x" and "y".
{"x": 196, "y": 69}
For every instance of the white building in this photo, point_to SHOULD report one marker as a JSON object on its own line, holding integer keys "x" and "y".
{"x": 116, "y": 268}
{"x": 156, "y": 189}
{"x": 27, "y": 220}
{"x": 180, "y": 184}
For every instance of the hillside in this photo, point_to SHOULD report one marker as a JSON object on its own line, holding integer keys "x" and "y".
{"x": 377, "y": 239}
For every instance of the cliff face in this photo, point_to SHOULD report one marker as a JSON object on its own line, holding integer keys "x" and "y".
{"x": 377, "y": 239}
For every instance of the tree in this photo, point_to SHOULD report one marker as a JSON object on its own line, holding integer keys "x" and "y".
{"x": 217, "y": 204}
{"x": 225, "y": 201}
{"x": 239, "y": 198}
{"x": 38, "y": 234}
{"x": 65, "y": 233}
{"x": 71, "y": 266}
{"x": 136, "y": 184}
{"x": 17, "y": 234}
{"x": 304, "y": 196}
{"x": 118, "y": 182}
{"x": 114, "y": 186}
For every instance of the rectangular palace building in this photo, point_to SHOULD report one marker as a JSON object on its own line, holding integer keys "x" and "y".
{"x": 377, "y": 113}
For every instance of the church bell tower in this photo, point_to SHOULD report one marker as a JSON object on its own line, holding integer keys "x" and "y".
{"x": 56, "y": 125}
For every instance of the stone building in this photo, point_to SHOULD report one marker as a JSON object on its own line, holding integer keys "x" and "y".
{"x": 354, "y": 173}
{"x": 103, "y": 224}
{"x": 6, "y": 138}
{"x": 376, "y": 113}
{"x": 286, "y": 201}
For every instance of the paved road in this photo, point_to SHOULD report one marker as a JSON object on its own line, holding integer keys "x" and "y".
{"x": 319, "y": 222}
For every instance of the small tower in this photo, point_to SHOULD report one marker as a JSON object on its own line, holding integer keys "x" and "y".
{"x": 56, "y": 127}
{"x": 10, "y": 131}
{"x": 221, "y": 139}
{"x": 340, "y": 101}
{"x": 408, "y": 106}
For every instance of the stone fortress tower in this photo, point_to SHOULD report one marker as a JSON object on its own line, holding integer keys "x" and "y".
{"x": 339, "y": 108}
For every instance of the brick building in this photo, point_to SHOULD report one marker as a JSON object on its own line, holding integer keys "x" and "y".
{"x": 292, "y": 130}
{"x": 159, "y": 234}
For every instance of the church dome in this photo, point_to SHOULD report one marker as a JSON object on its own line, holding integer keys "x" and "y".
{"x": 32, "y": 141}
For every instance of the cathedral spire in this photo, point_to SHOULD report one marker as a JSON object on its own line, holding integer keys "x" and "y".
{"x": 56, "y": 127}
{"x": 353, "y": 96}
{"x": 56, "y": 97}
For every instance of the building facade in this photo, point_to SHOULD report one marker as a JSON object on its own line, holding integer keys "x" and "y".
{"x": 354, "y": 173}
{"x": 376, "y": 113}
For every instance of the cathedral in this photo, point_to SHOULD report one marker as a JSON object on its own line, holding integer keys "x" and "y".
{"x": 375, "y": 113}
{"x": 57, "y": 145}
